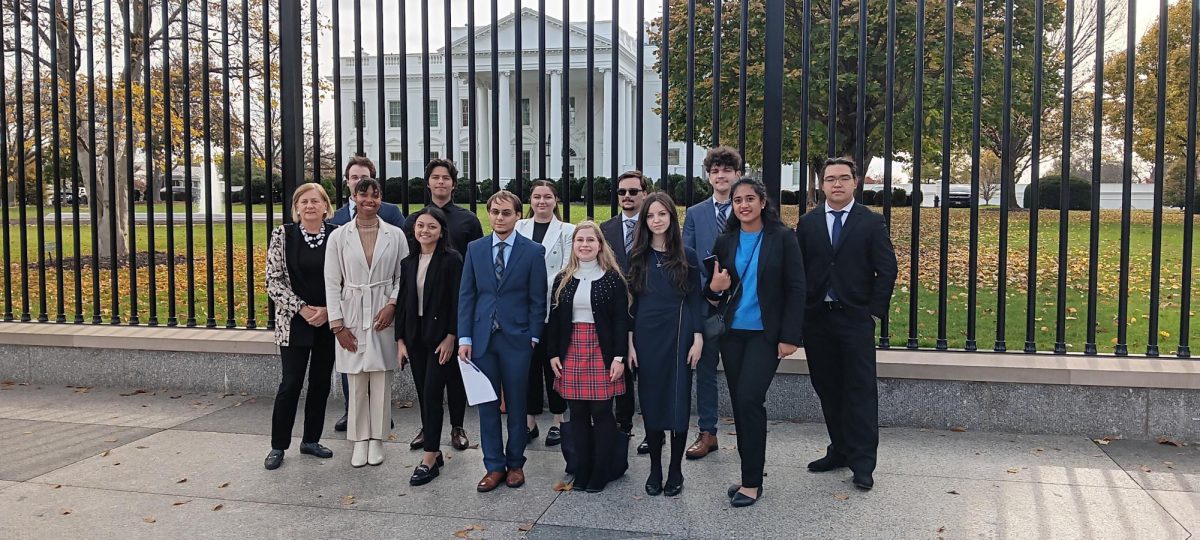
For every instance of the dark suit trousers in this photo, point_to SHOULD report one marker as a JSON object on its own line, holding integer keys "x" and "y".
{"x": 433, "y": 381}
{"x": 318, "y": 361}
{"x": 625, "y": 403}
{"x": 750, "y": 365}
{"x": 541, "y": 379}
{"x": 840, "y": 346}
{"x": 506, "y": 364}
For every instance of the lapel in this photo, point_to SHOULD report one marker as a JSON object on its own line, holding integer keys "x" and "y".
{"x": 820, "y": 227}
{"x": 709, "y": 211}
{"x": 552, "y": 233}
{"x": 848, "y": 224}
{"x": 515, "y": 252}
{"x": 432, "y": 281}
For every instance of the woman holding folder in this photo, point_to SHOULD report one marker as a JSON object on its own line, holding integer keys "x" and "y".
{"x": 426, "y": 318}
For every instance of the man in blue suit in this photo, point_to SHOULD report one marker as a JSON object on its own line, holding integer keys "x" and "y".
{"x": 501, "y": 312}
{"x": 357, "y": 168}
{"x": 702, "y": 225}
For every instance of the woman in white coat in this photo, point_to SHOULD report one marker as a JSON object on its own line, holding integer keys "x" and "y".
{"x": 362, "y": 275}
{"x": 544, "y": 226}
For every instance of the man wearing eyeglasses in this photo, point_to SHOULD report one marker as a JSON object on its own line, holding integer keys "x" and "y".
{"x": 618, "y": 232}
{"x": 357, "y": 168}
{"x": 701, "y": 227}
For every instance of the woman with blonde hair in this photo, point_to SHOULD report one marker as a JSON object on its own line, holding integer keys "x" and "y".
{"x": 295, "y": 282}
{"x": 587, "y": 336}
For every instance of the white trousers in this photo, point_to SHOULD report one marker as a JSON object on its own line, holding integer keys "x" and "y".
{"x": 370, "y": 413}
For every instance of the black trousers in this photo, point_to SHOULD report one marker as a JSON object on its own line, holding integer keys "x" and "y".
{"x": 541, "y": 378}
{"x": 433, "y": 381}
{"x": 750, "y": 365}
{"x": 625, "y": 403}
{"x": 318, "y": 361}
{"x": 840, "y": 345}
{"x": 595, "y": 431}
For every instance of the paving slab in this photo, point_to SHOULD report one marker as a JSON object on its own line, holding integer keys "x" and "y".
{"x": 1184, "y": 506}
{"x": 4, "y": 484}
{"x": 73, "y": 512}
{"x": 556, "y": 532}
{"x": 1158, "y": 466}
{"x": 134, "y": 407}
{"x": 221, "y": 465}
{"x": 32, "y": 448}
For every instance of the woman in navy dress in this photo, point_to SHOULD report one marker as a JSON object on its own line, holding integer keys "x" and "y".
{"x": 667, "y": 337}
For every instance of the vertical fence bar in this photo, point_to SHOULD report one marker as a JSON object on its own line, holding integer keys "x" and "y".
{"x": 168, "y": 168}
{"x": 1094, "y": 233}
{"x": 110, "y": 162}
{"x": 360, "y": 112}
{"x": 565, "y": 183}
{"x": 126, "y": 31}
{"x": 381, "y": 105}
{"x": 206, "y": 102}
{"x": 1122, "y": 347}
{"x": 472, "y": 116}
{"x": 227, "y": 164}
{"x": 664, "y": 95}
{"x": 640, "y": 99}
{"x": 496, "y": 158}
{"x": 773, "y": 96}
{"x": 425, "y": 90}
{"x": 914, "y": 196}
{"x": 39, "y": 152}
{"x": 889, "y": 104}
{"x": 976, "y": 119}
{"x": 1190, "y": 190}
{"x": 291, "y": 99}
{"x": 835, "y": 23}
{"x": 716, "y": 76}
{"x": 1035, "y": 168}
{"x": 339, "y": 181}
{"x": 743, "y": 53}
{"x": 269, "y": 136}
{"x": 4, "y": 175}
{"x": 93, "y": 194}
{"x": 148, "y": 193}
{"x": 404, "y": 149}
{"x": 860, "y": 110}
{"x": 22, "y": 196}
{"x": 1160, "y": 124}
{"x": 805, "y": 82}
{"x": 76, "y": 180}
{"x": 518, "y": 126}
{"x": 944, "y": 232}
{"x": 189, "y": 233}
{"x": 690, "y": 122}
{"x": 591, "y": 109}
{"x": 314, "y": 31}
{"x": 1064, "y": 193}
{"x": 614, "y": 110}
{"x": 542, "y": 74}
{"x": 56, "y": 147}
{"x": 247, "y": 165}
{"x": 1005, "y": 178}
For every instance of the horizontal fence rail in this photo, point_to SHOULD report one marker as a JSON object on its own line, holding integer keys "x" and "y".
{"x": 1036, "y": 161}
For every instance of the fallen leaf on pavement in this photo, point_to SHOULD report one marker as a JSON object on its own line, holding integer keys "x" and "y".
{"x": 391, "y": 437}
{"x": 525, "y": 527}
{"x": 1013, "y": 470}
{"x": 348, "y": 500}
{"x": 562, "y": 486}
{"x": 218, "y": 507}
{"x": 64, "y": 512}
{"x": 958, "y": 429}
{"x": 225, "y": 485}
{"x": 110, "y": 440}
{"x": 464, "y": 533}
{"x": 1168, "y": 441}
{"x": 1144, "y": 469}
{"x": 181, "y": 480}
{"x": 149, "y": 519}
{"x": 104, "y": 453}
{"x": 134, "y": 393}
{"x": 841, "y": 496}
{"x": 181, "y": 503}
{"x": 141, "y": 447}
{"x": 952, "y": 492}
{"x": 1100, "y": 441}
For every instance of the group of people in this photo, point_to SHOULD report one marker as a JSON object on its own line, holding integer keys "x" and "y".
{"x": 587, "y": 316}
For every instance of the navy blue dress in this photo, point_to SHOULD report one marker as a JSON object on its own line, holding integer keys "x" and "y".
{"x": 664, "y": 323}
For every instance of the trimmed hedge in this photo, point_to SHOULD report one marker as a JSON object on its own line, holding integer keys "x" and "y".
{"x": 1048, "y": 193}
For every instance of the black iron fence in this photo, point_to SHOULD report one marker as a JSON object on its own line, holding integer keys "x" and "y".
{"x": 150, "y": 145}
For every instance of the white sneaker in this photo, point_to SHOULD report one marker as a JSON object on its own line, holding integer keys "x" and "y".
{"x": 360, "y": 454}
{"x": 375, "y": 452}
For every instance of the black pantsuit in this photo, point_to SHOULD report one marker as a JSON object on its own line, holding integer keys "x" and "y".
{"x": 317, "y": 360}
{"x": 541, "y": 379}
{"x": 435, "y": 380}
{"x": 841, "y": 364}
{"x": 750, "y": 365}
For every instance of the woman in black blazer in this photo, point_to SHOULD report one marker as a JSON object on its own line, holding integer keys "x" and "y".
{"x": 758, "y": 284}
{"x": 426, "y": 317}
{"x": 587, "y": 337}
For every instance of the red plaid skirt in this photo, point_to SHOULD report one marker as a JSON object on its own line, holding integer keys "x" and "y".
{"x": 583, "y": 374}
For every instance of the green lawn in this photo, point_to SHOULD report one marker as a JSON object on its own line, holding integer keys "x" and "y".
{"x": 927, "y": 313}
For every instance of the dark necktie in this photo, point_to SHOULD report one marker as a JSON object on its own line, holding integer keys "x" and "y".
{"x": 500, "y": 259}
{"x": 722, "y": 215}
{"x": 629, "y": 225}
{"x": 837, "y": 233}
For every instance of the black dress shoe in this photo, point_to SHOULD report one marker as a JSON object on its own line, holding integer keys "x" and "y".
{"x": 733, "y": 490}
{"x": 863, "y": 481}
{"x": 739, "y": 500}
{"x": 553, "y": 436}
{"x": 274, "y": 460}
{"x": 341, "y": 424}
{"x": 315, "y": 449}
{"x": 532, "y": 433}
{"x": 644, "y": 447}
{"x": 828, "y": 463}
{"x": 425, "y": 474}
{"x": 654, "y": 485}
{"x": 673, "y": 488}
{"x": 418, "y": 441}
{"x": 458, "y": 438}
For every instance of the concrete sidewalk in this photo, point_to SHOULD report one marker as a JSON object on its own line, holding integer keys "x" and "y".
{"x": 108, "y": 463}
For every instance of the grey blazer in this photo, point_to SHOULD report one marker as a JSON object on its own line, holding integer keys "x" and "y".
{"x": 700, "y": 231}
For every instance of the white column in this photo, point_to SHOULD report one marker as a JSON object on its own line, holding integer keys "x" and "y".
{"x": 506, "y": 129}
{"x": 555, "y": 146}
{"x": 483, "y": 132}
{"x": 622, "y": 125}
{"x": 606, "y": 141}
{"x": 455, "y": 125}
{"x": 631, "y": 114}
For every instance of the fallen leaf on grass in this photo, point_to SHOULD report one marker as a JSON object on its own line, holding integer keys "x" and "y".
{"x": 218, "y": 507}
{"x": 841, "y": 496}
{"x": 958, "y": 429}
{"x": 1168, "y": 441}
{"x": 525, "y": 527}
{"x": 225, "y": 485}
{"x": 149, "y": 519}
{"x": 181, "y": 480}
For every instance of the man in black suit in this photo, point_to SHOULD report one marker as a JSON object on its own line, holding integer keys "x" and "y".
{"x": 441, "y": 177}
{"x": 850, "y": 268}
{"x": 618, "y": 232}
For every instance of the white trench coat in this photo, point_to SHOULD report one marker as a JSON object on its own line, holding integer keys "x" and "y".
{"x": 354, "y": 293}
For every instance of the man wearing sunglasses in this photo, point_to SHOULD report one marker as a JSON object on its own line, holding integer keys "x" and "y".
{"x": 618, "y": 232}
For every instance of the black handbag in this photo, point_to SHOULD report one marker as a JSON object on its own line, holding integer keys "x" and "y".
{"x": 715, "y": 325}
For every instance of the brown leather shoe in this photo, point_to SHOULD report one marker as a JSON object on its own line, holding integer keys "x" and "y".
{"x": 516, "y": 478}
{"x": 705, "y": 442}
{"x": 458, "y": 439}
{"x": 490, "y": 481}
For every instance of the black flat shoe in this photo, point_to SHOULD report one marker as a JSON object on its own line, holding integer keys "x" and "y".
{"x": 733, "y": 490}
{"x": 418, "y": 441}
{"x": 425, "y": 474}
{"x": 315, "y": 449}
{"x": 863, "y": 481}
{"x": 274, "y": 460}
{"x": 654, "y": 484}
{"x": 739, "y": 500}
{"x": 533, "y": 433}
{"x": 553, "y": 436}
{"x": 341, "y": 423}
{"x": 827, "y": 463}
{"x": 673, "y": 489}
{"x": 644, "y": 447}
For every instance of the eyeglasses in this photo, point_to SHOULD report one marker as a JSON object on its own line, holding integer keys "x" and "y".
{"x": 634, "y": 192}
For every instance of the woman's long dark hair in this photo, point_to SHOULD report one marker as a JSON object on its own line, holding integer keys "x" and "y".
{"x": 770, "y": 214}
{"x": 674, "y": 261}
{"x": 443, "y": 243}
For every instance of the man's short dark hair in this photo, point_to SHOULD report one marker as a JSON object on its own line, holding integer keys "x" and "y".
{"x": 634, "y": 174}
{"x": 841, "y": 161}
{"x": 360, "y": 160}
{"x": 449, "y": 165}
{"x": 723, "y": 156}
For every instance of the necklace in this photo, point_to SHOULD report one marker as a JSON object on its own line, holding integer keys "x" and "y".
{"x": 658, "y": 258}
{"x": 314, "y": 241}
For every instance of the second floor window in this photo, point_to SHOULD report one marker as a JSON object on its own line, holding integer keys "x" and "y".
{"x": 525, "y": 114}
{"x": 433, "y": 114}
{"x": 395, "y": 114}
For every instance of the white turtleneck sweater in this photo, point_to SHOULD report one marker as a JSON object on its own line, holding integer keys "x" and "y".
{"x": 581, "y": 305}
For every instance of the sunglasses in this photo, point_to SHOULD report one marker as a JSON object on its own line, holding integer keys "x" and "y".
{"x": 623, "y": 192}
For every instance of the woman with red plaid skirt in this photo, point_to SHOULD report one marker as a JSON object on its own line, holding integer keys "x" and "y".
{"x": 589, "y": 322}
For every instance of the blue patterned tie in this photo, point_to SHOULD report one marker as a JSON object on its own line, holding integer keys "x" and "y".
{"x": 837, "y": 233}
{"x": 722, "y": 215}
{"x": 500, "y": 259}
{"x": 629, "y": 225}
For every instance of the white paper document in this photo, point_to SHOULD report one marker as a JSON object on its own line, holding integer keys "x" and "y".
{"x": 479, "y": 387}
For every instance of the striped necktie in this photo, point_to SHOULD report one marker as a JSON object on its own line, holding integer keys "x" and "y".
{"x": 722, "y": 215}
{"x": 629, "y": 225}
